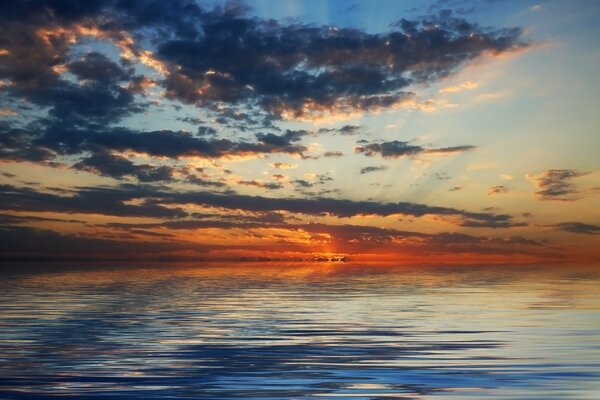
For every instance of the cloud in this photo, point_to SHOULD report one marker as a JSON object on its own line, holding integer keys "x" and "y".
{"x": 100, "y": 200}
{"x": 121, "y": 241}
{"x": 346, "y": 130}
{"x": 556, "y": 184}
{"x": 16, "y": 145}
{"x": 468, "y": 85}
{"x": 493, "y": 224}
{"x": 303, "y": 183}
{"x": 354, "y": 238}
{"x": 155, "y": 202}
{"x": 301, "y": 71}
{"x": 333, "y": 154}
{"x": 289, "y": 69}
{"x": 366, "y": 170}
{"x": 578, "y": 227}
{"x": 96, "y": 95}
{"x": 96, "y": 67}
{"x": 105, "y": 163}
{"x": 81, "y": 76}
{"x": 262, "y": 185}
{"x": 499, "y": 189}
{"x": 201, "y": 181}
{"x": 49, "y": 142}
{"x": 29, "y": 244}
{"x": 335, "y": 207}
{"x": 7, "y": 112}
{"x": 282, "y": 165}
{"x": 396, "y": 149}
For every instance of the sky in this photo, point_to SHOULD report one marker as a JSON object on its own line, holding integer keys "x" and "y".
{"x": 450, "y": 131}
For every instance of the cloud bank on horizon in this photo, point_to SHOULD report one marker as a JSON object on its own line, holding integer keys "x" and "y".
{"x": 180, "y": 130}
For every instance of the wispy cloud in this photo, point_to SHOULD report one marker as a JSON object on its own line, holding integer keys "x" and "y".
{"x": 557, "y": 184}
{"x": 578, "y": 227}
{"x": 499, "y": 189}
{"x": 396, "y": 148}
{"x": 468, "y": 85}
{"x": 369, "y": 169}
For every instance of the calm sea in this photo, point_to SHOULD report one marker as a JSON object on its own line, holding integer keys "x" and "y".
{"x": 299, "y": 331}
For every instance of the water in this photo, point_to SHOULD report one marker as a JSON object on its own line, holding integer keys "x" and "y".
{"x": 291, "y": 332}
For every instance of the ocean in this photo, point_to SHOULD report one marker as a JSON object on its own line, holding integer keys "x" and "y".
{"x": 295, "y": 331}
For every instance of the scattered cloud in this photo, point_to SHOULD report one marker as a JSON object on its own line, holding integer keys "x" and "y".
{"x": 367, "y": 170}
{"x": 346, "y": 130}
{"x": 154, "y": 202}
{"x": 333, "y": 154}
{"x": 499, "y": 189}
{"x": 396, "y": 149}
{"x": 283, "y": 165}
{"x": 578, "y": 227}
{"x": 556, "y": 184}
{"x": 234, "y": 80}
{"x": 262, "y": 185}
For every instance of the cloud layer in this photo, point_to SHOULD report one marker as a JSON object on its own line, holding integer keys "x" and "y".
{"x": 163, "y": 119}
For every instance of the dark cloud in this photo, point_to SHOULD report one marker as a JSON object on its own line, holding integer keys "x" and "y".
{"x": 15, "y": 145}
{"x": 115, "y": 166}
{"x": 190, "y": 120}
{"x": 206, "y": 130}
{"x": 462, "y": 243}
{"x": 18, "y": 243}
{"x": 346, "y": 130}
{"x": 455, "y": 189}
{"x": 262, "y": 185}
{"x": 226, "y": 59}
{"x": 153, "y": 202}
{"x": 396, "y": 148}
{"x": 100, "y": 200}
{"x": 202, "y": 180}
{"x": 97, "y": 67}
{"x": 335, "y": 207}
{"x": 366, "y": 170}
{"x": 48, "y": 142}
{"x": 80, "y": 104}
{"x": 281, "y": 141}
{"x": 246, "y": 72}
{"x": 493, "y": 224}
{"x": 8, "y": 219}
{"x": 556, "y": 184}
{"x": 299, "y": 70}
{"x": 500, "y": 189}
{"x": 97, "y": 95}
{"x": 303, "y": 183}
{"x": 578, "y": 227}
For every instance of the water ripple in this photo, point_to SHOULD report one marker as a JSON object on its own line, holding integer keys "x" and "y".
{"x": 276, "y": 332}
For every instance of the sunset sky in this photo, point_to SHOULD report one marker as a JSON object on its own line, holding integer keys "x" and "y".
{"x": 451, "y": 131}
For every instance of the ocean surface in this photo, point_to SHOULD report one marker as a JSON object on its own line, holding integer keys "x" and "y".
{"x": 328, "y": 330}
